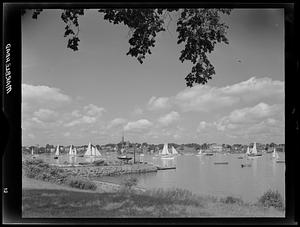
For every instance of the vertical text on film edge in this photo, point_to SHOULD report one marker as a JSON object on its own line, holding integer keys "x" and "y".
{"x": 8, "y": 86}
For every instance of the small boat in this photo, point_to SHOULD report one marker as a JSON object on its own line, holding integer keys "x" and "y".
{"x": 240, "y": 157}
{"x": 165, "y": 168}
{"x": 245, "y": 165}
{"x": 280, "y": 161}
{"x": 220, "y": 163}
{"x": 57, "y": 152}
{"x": 56, "y": 157}
{"x": 167, "y": 157}
{"x": 209, "y": 154}
{"x": 124, "y": 157}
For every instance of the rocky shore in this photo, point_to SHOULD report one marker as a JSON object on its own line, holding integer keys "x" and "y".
{"x": 98, "y": 171}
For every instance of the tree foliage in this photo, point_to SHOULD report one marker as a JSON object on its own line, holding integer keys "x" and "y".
{"x": 199, "y": 29}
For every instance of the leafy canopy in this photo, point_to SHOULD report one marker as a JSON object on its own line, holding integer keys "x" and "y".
{"x": 199, "y": 29}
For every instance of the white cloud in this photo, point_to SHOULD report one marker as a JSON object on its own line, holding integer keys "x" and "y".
{"x": 82, "y": 120}
{"x": 138, "y": 125}
{"x": 249, "y": 115}
{"x": 169, "y": 118}
{"x": 205, "y": 98}
{"x": 46, "y": 115}
{"x": 159, "y": 103}
{"x": 93, "y": 110}
{"x": 138, "y": 111}
{"x": 116, "y": 122}
{"x": 43, "y": 95}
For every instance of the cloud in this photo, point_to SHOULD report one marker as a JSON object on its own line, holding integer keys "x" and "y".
{"x": 158, "y": 103}
{"x": 205, "y": 98}
{"x": 169, "y": 118}
{"x": 116, "y": 122}
{"x": 46, "y": 115}
{"x": 255, "y": 89}
{"x": 138, "y": 111}
{"x": 43, "y": 95}
{"x": 93, "y": 110}
{"x": 138, "y": 125}
{"x": 249, "y": 115}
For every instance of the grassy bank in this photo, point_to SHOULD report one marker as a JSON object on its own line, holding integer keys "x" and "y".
{"x": 127, "y": 203}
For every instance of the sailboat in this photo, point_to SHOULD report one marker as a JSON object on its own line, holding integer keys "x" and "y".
{"x": 254, "y": 152}
{"x": 174, "y": 151}
{"x": 71, "y": 150}
{"x": 89, "y": 150}
{"x": 275, "y": 154}
{"x": 74, "y": 151}
{"x": 165, "y": 152}
{"x": 57, "y": 152}
{"x": 200, "y": 153}
{"x": 92, "y": 152}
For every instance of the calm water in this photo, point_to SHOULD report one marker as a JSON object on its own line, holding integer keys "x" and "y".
{"x": 200, "y": 175}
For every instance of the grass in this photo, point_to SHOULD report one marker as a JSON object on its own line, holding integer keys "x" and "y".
{"x": 153, "y": 203}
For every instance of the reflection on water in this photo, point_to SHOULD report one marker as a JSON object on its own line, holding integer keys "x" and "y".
{"x": 200, "y": 175}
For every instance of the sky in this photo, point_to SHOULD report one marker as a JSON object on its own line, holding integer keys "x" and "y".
{"x": 96, "y": 93}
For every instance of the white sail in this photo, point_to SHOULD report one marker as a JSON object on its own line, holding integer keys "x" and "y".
{"x": 71, "y": 150}
{"x": 97, "y": 153}
{"x": 248, "y": 150}
{"x": 174, "y": 150}
{"x": 254, "y": 150}
{"x": 275, "y": 154}
{"x": 57, "y": 150}
{"x": 75, "y": 151}
{"x": 89, "y": 150}
{"x": 93, "y": 151}
{"x": 32, "y": 151}
{"x": 200, "y": 152}
{"x": 165, "y": 150}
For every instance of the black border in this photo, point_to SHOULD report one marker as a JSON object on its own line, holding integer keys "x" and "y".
{"x": 11, "y": 111}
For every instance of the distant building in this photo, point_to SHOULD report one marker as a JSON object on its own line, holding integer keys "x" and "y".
{"x": 216, "y": 148}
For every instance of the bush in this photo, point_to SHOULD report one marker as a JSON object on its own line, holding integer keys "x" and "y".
{"x": 231, "y": 200}
{"x": 82, "y": 184}
{"x": 271, "y": 198}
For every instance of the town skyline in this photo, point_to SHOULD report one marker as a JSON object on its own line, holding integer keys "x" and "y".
{"x": 95, "y": 94}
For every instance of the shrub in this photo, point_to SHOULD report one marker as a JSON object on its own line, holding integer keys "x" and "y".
{"x": 82, "y": 184}
{"x": 271, "y": 198}
{"x": 231, "y": 200}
